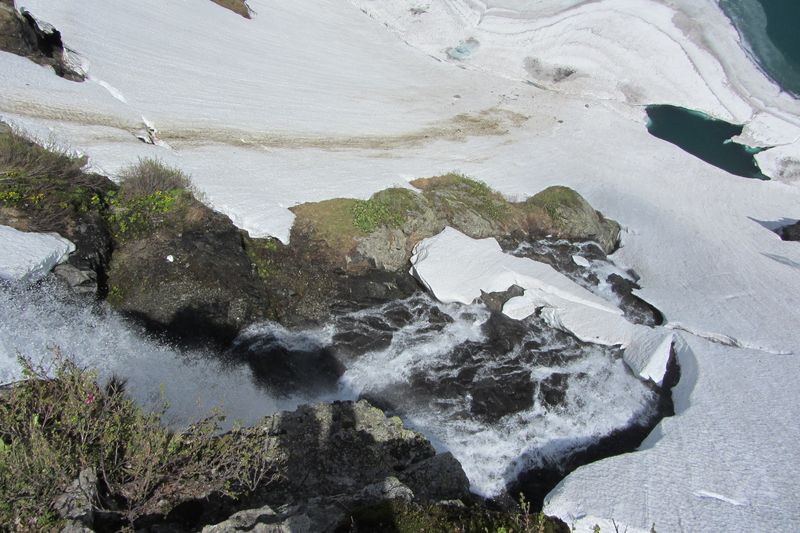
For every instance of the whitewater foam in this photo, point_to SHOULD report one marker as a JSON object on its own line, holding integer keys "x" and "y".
{"x": 34, "y": 321}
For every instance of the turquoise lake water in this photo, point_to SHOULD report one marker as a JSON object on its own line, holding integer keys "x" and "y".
{"x": 703, "y": 137}
{"x": 771, "y": 29}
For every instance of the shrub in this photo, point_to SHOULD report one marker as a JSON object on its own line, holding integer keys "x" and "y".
{"x": 60, "y": 421}
{"x": 46, "y": 183}
{"x": 150, "y": 176}
{"x": 150, "y": 194}
{"x": 20, "y": 156}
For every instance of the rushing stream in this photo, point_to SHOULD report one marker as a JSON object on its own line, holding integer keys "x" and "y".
{"x": 503, "y": 396}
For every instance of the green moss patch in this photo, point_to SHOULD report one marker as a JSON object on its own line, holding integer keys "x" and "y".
{"x": 389, "y": 207}
{"x": 554, "y": 198}
{"x": 453, "y": 192}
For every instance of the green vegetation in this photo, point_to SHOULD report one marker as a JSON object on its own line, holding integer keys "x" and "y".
{"x": 555, "y": 198}
{"x": 389, "y": 207}
{"x": 46, "y": 182}
{"x": 340, "y": 220}
{"x": 397, "y": 516}
{"x": 149, "y": 193}
{"x": 150, "y": 176}
{"x": 453, "y": 192}
{"x": 60, "y": 421}
{"x": 261, "y": 253}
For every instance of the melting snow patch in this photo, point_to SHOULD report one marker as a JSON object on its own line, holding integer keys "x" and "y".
{"x": 29, "y": 256}
{"x": 456, "y": 268}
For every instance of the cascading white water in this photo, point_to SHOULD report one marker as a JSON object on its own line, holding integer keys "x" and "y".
{"x": 430, "y": 363}
{"x": 36, "y": 320}
{"x": 413, "y": 372}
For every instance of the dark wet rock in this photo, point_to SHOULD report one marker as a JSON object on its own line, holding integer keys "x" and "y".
{"x": 340, "y": 448}
{"x": 553, "y": 390}
{"x": 287, "y": 369}
{"x": 393, "y": 516}
{"x": 791, "y": 232}
{"x": 189, "y": 276}
{"x": 635, "y": 309}
{"x": 22, "y": 34}
{"x": 561, "y": 254}
{"x": 495, "y": 301}
{"x": 503, "y": 333}
{"x": 438, "y": 478}
{"x": 502, "y": 394}
{"x": 82, "y": 282}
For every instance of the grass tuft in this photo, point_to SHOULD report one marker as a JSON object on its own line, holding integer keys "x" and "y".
{"x": 150, "y": 176}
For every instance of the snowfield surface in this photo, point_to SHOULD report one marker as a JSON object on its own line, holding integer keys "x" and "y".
{"x": 323, "y": 98}
{"x": 27, "y": 257}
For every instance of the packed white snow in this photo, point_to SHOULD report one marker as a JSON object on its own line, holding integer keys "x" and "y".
{"x": 28, "y": 256}
{"x": 692, "y": 473}
{"x": 317, "y": 99}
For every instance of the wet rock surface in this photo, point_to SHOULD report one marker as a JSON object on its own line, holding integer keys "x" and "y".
{"x": 189, "y": 277}
{"x": 586, "y": 264}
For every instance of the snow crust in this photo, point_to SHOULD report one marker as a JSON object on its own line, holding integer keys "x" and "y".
{"x": 315, "y": 99}
{"x": 28, "y": 256}
{"x": 692, "y": 473}
{"x": 456, "y": 268}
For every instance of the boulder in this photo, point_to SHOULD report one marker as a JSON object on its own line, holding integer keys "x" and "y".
{"x": 76, "y": 505}
{"x": 439, "y": 478}
{"x": 340, "y": 448}
{"x": 569, "y": 216}
{"x": 187, "y": 274}
{"x": 335, "y": 458}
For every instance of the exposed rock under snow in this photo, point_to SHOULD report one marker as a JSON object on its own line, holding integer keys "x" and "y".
{"x": 456, "y": 268}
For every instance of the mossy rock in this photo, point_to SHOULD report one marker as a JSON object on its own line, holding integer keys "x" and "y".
{"x": 469, "y": 205}
{"x": 381, "y": 232}
{"x": 46, "y": 190}
{"x": 182, "y": 268}
{"x": 570, "y": 216}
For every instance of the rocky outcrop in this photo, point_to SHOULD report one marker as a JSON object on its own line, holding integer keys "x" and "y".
{"x": 791, "y": 232}
{"x": 185, "y": 272}
{"x": 381, "y": 232}
{"x": 569, "y": 216}
{"x": 76, "y": 505}
{"x": 340, "y": 448}
{"x": 23, "y": 35}
{"x": 355, "y": 253}
{"x": 331, "y": 460}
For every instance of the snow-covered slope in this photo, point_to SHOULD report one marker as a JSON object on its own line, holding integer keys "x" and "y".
{"x": 316, "y": 99}
{"x": 724, "y": 462}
